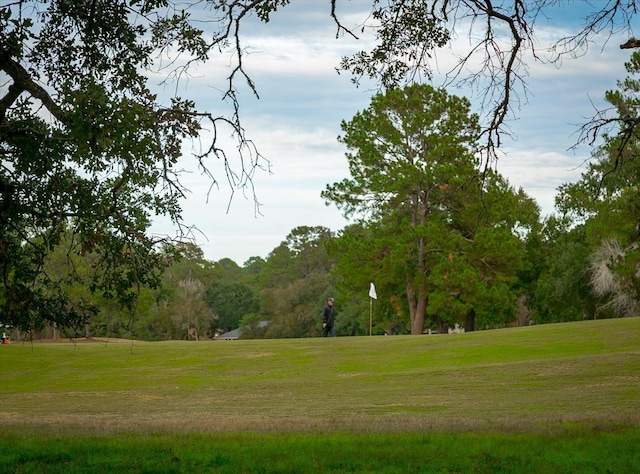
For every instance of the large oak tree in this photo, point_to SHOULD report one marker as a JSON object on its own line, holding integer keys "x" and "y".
{"x": 86, "y": 145}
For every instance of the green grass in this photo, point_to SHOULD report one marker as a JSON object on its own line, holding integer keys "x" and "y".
{"x": 574, "y": 451}
{"x": 555, "y": 398}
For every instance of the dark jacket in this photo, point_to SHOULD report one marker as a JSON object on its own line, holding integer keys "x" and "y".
{"x": 328, "y": 315}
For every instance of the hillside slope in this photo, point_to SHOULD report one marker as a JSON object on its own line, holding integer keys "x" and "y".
{"x": 518, "y": 379}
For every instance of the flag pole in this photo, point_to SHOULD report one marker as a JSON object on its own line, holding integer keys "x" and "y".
{"x": 370, "y": 314}
{"x": 372, "y": 296}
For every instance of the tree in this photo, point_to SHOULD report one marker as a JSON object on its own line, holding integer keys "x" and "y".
{"x": 442, "y": 228}
{"x": 562, "y": 291}
{"x": 299, "y": 255}
{"x": 190, "y": 311}
{"x": 477, "y": 279}
{"x": 87, "y": 145}
{"x": 607, "y": 200}
{"x": 180, "y": 301}
{"x": 361, "y": 256}
{"x": 409, "y": 146}
{"x": 295, "y": 308}
{"x": 296, "y": 280}
{"x": 72, "y": 272}
{"x": 231, "y": 301}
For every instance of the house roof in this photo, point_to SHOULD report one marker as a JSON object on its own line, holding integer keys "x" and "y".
{"x": 236, "y": 333}
{"x": 229, "y": 335}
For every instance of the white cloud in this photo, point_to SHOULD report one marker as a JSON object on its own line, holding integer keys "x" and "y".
{"x": 540, "y": 174}
{"x": 297, "y": 119}
{"x": 303, "y": 163}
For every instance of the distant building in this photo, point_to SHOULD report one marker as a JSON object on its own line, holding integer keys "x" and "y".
{"x": 236, "y": 333}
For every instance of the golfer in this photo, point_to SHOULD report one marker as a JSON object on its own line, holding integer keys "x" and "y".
{"x": 328, "y": 319}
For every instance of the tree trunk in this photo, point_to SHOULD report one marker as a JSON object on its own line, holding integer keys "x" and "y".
{"x": 417, "y": 309}
{"x": 470, "y": 320}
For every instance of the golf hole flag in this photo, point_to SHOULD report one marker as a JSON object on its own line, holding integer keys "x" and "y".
{"x": 372, "y": 292}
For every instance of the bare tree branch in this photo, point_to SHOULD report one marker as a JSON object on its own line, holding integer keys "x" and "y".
{"x": 22, "y": 82}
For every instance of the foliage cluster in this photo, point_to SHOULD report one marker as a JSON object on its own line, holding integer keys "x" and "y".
{"x": 89, "y": 151}
{"x": 199, "y": 299}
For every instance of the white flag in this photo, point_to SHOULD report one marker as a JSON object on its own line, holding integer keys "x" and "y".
{"x": 372, "y": 292}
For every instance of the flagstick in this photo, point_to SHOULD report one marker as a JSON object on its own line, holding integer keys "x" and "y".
{"x": 372, "y": 296}
{"x": 370, "y": 314}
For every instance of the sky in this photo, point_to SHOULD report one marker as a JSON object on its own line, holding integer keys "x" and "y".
{"x": 302, "y": 100}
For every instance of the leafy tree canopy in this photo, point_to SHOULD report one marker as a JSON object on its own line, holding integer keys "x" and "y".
{"x": 87, "y": 145}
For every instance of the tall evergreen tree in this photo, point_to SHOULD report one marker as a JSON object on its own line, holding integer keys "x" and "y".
{"x": 444, "y": 230}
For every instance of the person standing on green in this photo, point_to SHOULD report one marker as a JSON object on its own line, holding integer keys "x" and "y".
{"x": 328, "y": 319}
